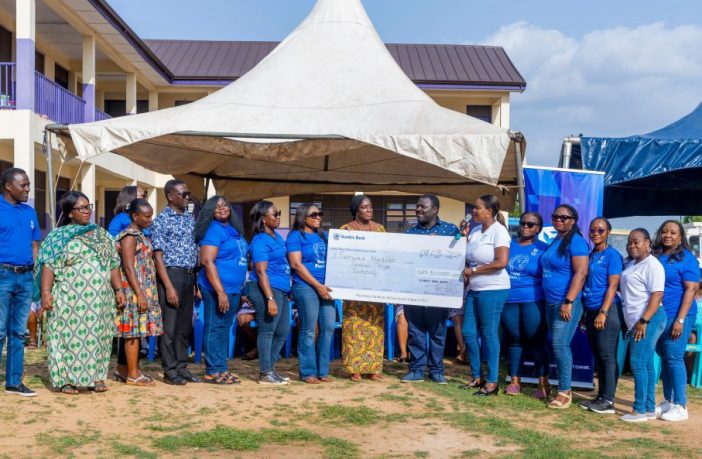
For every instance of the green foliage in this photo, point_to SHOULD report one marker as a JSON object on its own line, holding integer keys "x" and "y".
{"x": 61, "y": 443}
{"x": 692, "y": 218}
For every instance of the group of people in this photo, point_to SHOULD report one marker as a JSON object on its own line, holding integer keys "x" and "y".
{"x": 141, "y": 280}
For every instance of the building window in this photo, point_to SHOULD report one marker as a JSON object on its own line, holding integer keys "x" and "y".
{"x": 39, "y": 62}
{"x": 482, "y": 112}
{"x": 61, "y": 76}
{"x": 5, "y": 45}
{"x": 395, "y": 213}
{"x": 116, "y": 108}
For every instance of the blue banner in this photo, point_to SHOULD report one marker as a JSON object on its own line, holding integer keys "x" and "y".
{"x": 546, "y": 189}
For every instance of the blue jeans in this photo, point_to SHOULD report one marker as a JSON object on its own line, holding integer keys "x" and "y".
{"x": 482, "y": 318}
{"x": 314, "y": 361}
{"x": 641, "y": 361}
{"x": 525, "y": 327}
{"x": 15, "y": 302}
{"x": 421, "y": 321}
{"x": 562, "y": 333}
{"x": 672, "y": 352}
{"x": 272, "y": 330}
{"x": 216, "y": 333}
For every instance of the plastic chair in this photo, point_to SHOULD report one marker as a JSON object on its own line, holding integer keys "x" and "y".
{"x": 335, "y": 351}
{"x": 390, "y": 331}
{"x": 696, "y": 377}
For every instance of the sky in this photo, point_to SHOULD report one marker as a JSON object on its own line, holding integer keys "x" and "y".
{"x": 600, "y": 68}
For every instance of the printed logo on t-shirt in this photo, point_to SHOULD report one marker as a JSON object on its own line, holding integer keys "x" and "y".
{"x": 320, "y": 251}
{"x": 31, "y": 224}
{"x": 242, "y": 250}
{"x": 517, "y": 265}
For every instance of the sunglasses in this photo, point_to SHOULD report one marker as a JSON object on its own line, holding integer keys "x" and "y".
{"x": 319, "y": 214}
{"x": 184, "y": 194}
{"x": 597, "y": 231}
{"x": 84, "y": 209}
{"x": 528, "y": 224}
{"x": 276, "y": 214}
{"x": 561, "y": 218}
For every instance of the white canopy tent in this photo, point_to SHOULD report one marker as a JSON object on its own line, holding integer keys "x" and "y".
{"x": 328, "y": 110}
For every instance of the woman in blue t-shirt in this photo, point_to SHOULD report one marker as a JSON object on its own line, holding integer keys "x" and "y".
{"x": 268, "y": 289}
{"x": 682, "y": 273}
{"x": 223, "y": 248}
{"x": 307, "y": 253}
{"x": 523, "y": 318}
{"x": 603, "y": 314}
{"x": 564, "y": 267}
{"x": 121, "y": 219}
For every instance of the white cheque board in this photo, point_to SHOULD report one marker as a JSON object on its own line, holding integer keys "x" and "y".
{"x": 396, "y": 268}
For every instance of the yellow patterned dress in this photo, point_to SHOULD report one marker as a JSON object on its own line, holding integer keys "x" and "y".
{"x": 363, "y": 329}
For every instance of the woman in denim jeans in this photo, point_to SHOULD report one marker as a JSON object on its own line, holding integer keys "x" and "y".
{"x": 564, "y": 267}
{"x": 268, "y": 288}
{"x": 682, "y": 274}
{"x": 223, "y": 249}
{"x": 307, "y": 253}
{"x": 602, "y": 314}
{"x": 641, "y": 286}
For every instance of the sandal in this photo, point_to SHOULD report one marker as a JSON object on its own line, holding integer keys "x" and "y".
{"x": 217, "y": 378}
{"x": 355, "y": 377}
{"x": 513, "y": 389}
{"x": 118, "y": 377}
{"x": 141, "y": 381}
{"x": 562, "y": 401}
{"x": 474, "y": 383}
{"x": 325, "y": 379}
{"x": 402, "y": 359}
{"x": 32, "y": 344}
{"x": 99, "y": 387}
{"x": 311, "y": 380}
{"x": 232, "y": 378}
{"x": 68, "y": 389}
{"x": 375, "y": 377}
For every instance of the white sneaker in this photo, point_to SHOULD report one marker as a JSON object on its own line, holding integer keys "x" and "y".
{"x": 651, "y": 415}
{"x": 675, "y": 413}
{"x": 664, "y": 407}
{"x": 635, "y": 417}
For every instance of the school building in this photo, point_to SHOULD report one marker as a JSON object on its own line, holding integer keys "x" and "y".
{"x": 75, "y": 61}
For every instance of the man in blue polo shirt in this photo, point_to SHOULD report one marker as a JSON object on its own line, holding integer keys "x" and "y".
{"x": 19, "y": 233}
{"x": 427, "y": 320}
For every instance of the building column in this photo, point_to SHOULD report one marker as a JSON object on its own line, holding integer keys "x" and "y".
{"x": 100, "y": 99}
{"x": 87, "y": 184}
{"x": 24, "y": 148}
{"x": 25, "y": 35}
{"x": 153, "y": 101}
{"x": 131, "y": 89}
{"x": 100, "y": 211}
{"x": 49, "y": 68}
{"x": 89, "y": 78}
{"x": 500, "y": 112}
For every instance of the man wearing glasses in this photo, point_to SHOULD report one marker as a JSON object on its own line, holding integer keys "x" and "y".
{"x": 19, "y": 233}
{"x": 175, "y": 255}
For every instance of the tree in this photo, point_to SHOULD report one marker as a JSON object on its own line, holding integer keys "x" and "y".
{"x": 692, "y": 218}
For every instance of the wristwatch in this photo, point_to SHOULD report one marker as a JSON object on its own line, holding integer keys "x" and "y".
{"x": 644, "y": 321}
{"x": 681, "y": 321}
{"x": 269, "y": 298}
{"x": 567, "y": 301}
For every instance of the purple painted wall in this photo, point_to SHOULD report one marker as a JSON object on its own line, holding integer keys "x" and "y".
{"x": 25, "y": 74}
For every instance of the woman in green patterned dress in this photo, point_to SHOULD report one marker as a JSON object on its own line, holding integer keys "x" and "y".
{"x": 80, "y": 285}
{"x": 362, "y": 332}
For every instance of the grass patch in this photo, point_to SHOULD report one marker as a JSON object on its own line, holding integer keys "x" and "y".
{"x": 355, "y": 415}
{"x": 131, "y": 450}
{"x": 63, "y": 442}
{"x": 651, "y": 448}
{"x": 225, "y": 438}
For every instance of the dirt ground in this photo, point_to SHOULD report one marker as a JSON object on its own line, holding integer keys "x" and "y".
{"x": 366, "y": 419}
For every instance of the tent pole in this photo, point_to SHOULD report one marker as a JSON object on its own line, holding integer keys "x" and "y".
{"x": 50, "y": 173}
{"x": 517, "y": 137}
{"x": 567, "y": 150}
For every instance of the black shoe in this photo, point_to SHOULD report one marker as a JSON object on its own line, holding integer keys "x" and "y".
{"x": 271, "y": 380}
{"x": 475, "y": 383}
{"x": 174, "y": 381}
{"x": 585, "y": 404}
{"x": 21, "y": 390}
{"x": 189, "y": 377}
{"x": 602, "y": 406}
{"x": 486, "y": 393}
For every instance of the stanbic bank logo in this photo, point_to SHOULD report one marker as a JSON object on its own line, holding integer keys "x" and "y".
{"x": 336, "y": 236}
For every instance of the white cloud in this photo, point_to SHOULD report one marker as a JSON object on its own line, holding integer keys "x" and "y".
{"x": 618, "y": 81}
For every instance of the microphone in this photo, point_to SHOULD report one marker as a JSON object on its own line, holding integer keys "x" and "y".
{"x": 466, "y": 224}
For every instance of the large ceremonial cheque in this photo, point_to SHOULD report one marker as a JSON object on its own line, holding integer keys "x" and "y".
{"x": 396, "y": 268}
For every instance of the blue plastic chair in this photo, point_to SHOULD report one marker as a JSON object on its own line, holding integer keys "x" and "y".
{"x": 231, "y": 352}
{"x": 390, "y": 331}
{"x": 696, "y": 377}
{"x": 335, "y": 351}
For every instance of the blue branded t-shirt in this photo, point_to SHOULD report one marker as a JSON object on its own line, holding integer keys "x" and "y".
{"x": 231, "y": 260}
{"x": 677, "y": 272}
{"x": 602, "y": 265}
{"x": 314, "y": 253}
{"x": 558, "y": 271}
{"x": 524, "y": 272}
{"x": 266, "y": 248}
{"x": 19, "y": 226}
{"x": 120, "y": 221}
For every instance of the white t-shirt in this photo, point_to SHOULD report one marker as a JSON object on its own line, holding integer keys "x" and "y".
{"x": 481, "y": 251}
{"x": 638, "y": 281}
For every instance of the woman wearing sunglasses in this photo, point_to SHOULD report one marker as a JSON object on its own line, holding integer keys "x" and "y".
{"x": 307, "y": 253}
{"x": 603, "y": 311}
{"x": 268, "y": 289}
{"x": 564, "y": 265}
{"x": 523, "y": 318}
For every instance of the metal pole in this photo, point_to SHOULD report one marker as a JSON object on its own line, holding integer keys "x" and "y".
{"x": 50, "y": 173}
{"x": 521, "y": 194}
{"x": 566, "y": 153}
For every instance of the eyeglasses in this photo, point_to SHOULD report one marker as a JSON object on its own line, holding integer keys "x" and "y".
{"x": 319, "y": 214}
{"x": 561, "y": 218}
{"x": 84, "y": 209}
{"x": 597, "y": 231}
{"x": 276, "y": 214}
{"x": 528, "y": 224}
{"x": 184, "y": 194}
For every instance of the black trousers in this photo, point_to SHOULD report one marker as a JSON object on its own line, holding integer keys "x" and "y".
{"x": 177, "y": 322}
{"x": 604, "y": 344}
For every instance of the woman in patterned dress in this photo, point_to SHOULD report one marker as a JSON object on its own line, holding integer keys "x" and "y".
{"x": 78, "y": 268}
{"x": 362, "y": 332}
{"x": 141, "y": 316}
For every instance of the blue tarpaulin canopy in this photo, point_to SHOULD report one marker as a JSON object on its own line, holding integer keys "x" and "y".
{"x": 659, "y": 173}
